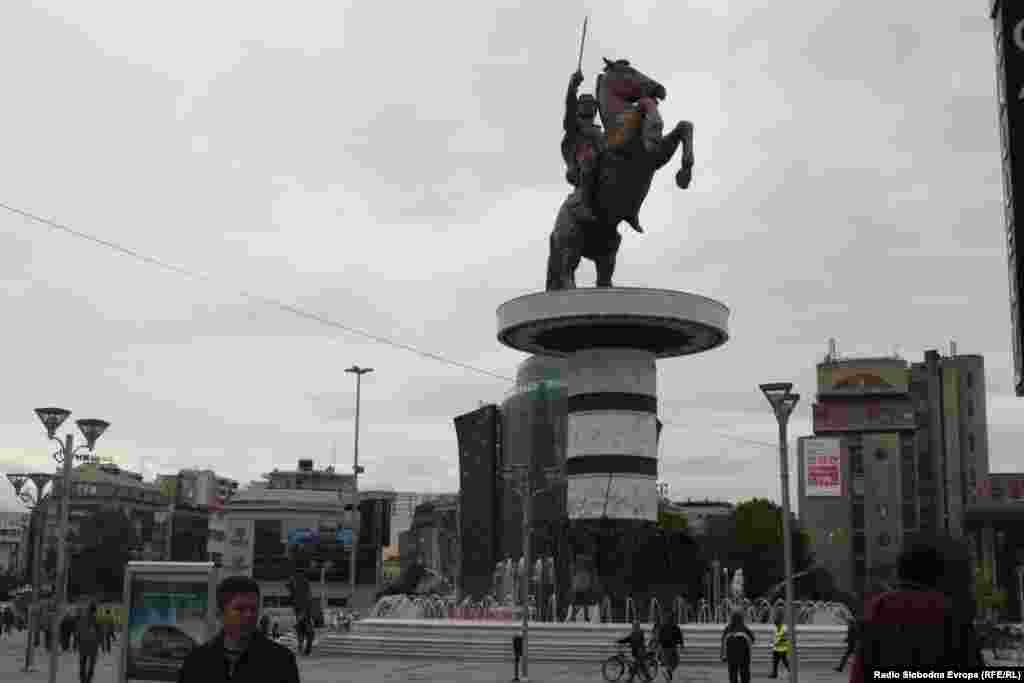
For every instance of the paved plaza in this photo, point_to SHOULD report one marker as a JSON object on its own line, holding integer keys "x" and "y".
{"x": 332, "y": 670}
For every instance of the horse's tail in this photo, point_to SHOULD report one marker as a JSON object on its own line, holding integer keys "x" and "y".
{"x": 554, "y": 281}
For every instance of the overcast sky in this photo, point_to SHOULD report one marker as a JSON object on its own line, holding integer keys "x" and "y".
{"x": 395, "y": 167}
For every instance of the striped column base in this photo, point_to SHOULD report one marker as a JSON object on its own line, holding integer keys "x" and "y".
{"x": 612, "y": 457}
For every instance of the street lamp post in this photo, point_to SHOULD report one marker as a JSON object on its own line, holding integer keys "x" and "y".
{"x": 52, "y": 419}
{"x": 356, "y": 471}
{"x": 35, "y": 507}
{"x": 519, "y": 476}
{"x": 783, "y": 402}
{"x": 1020, "y": 591}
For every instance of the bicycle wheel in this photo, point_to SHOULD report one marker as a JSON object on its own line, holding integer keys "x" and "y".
{"x": 614, "y": 668}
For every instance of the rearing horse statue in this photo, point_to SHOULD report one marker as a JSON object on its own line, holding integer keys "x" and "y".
{"x": 636, "y": 149}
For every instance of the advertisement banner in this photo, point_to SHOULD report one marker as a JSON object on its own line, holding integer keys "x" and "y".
{"x": 303, "y": 536}
{"x": 823, "y": 472}
{"x": 880, "y": 379}
{"x": 864, "y": 415}
{"x": 170, "y": 609}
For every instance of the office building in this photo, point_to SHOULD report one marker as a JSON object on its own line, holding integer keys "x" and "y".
{"x": 304, "y": 518}
{"x": 897, "y": 449}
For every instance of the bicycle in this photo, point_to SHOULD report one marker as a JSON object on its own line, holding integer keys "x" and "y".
{"x": 998, "y": 640}
{"x": 616, "y": 666}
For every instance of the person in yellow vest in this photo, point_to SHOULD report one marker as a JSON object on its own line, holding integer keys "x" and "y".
{"x": 780, "y": 646}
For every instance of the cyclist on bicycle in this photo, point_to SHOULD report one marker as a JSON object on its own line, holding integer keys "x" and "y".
{"x": 638, "y": 649}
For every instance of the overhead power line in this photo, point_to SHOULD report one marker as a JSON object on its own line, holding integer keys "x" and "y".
{"x": 265, "y": 300}
{"x": 307, "y": 315}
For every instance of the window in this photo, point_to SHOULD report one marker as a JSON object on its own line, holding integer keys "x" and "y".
{"x": 858, "y": 514}
{"x": 858, "y": 544}
{"x": 881, "y": 454}
{"x": 857, "y": 460}
{"x": 970, "y": 380}
{"x": 970, "y": 442}
{"x": 970, "y": 407}
{"x": 909, "y": 514}
{"x": 883, "y": 511}
{"x": 884, "y": 539}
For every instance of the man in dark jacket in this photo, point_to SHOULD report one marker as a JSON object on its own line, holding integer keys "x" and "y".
{"x": 240, "y": 653}
{"x": 87, "y": 635}
{"x": 852, "y": 639}
{"x": 670, "y": 640}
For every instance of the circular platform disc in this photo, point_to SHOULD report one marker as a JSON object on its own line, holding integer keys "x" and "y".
{"x": 665, "y": 322}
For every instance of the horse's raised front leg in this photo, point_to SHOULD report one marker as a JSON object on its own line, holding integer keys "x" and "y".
{"x": 685, "y": 173}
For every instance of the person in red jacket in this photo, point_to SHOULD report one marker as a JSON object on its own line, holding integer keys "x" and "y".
{"x": 926, "y": 620}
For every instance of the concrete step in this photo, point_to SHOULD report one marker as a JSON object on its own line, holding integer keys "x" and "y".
{"x": 812, "y": 648}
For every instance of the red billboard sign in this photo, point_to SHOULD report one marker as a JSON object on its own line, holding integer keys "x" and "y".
{"x": 864, "y": 415}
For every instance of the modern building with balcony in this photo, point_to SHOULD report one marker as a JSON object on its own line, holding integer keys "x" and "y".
{"x": 433, "y": 538}
{"x": 897, "y": 449}
{"x": 13, "y": 531}
{"x": 303, "y": 519}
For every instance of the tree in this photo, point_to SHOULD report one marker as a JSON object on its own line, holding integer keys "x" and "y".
{"x": 673, "y": 521}
{"x": 751, "y": 539}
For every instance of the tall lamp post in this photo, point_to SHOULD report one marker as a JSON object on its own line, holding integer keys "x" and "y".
{"x": 52, "y": 419}
{"x": 783, "y": 401}
{"x": 519, "y": 475}
{"x": 34, "y": 503}
{"x": 356, "y": 471}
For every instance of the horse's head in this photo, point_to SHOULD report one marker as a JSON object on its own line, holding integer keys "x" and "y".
{"x": 622, "y": 81}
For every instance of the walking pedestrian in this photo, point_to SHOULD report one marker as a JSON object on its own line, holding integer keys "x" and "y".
{"x": 265, "y": 625}
{"x": 517, "y": 653}
{"x": 737, "y": 643}
{"x": 852, "y": 639}
{"x": 780, "y": 646}
{"x": 88, "y": 632}
{"x": 240, "y": 652}
{"x": 670, "y": 641}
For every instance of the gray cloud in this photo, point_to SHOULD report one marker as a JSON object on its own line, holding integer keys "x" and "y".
{"x": 403, "y": 182}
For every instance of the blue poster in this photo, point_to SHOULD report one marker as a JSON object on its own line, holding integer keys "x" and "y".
{"x": 166, "y": 620}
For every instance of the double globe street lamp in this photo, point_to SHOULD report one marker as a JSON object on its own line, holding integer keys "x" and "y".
{"x": 52, "y": 419}
{"x": 35, "y": 504}
{"x": 783, "y": 401}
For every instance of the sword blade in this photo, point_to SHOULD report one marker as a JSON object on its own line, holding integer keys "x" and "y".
{"x": 583, "y": 39}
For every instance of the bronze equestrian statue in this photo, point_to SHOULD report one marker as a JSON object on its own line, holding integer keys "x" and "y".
{"x": 612, "y": 171}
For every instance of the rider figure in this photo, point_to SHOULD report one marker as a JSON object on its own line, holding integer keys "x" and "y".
{"x": 582, "y": 146}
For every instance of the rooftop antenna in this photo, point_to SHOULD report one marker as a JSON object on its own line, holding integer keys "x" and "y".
{"x": 952, "y": 349}
{"x": 832, "y": 349}
{"x": 334, "y": 454}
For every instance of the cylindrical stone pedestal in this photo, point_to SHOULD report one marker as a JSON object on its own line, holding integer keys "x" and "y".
{"x": 612, "y": 459}
{"x": 611, "y": 338}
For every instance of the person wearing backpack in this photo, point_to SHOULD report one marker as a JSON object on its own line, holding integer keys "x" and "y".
{"x": 737, "y": 642}
{"x": 927, "y": 619}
